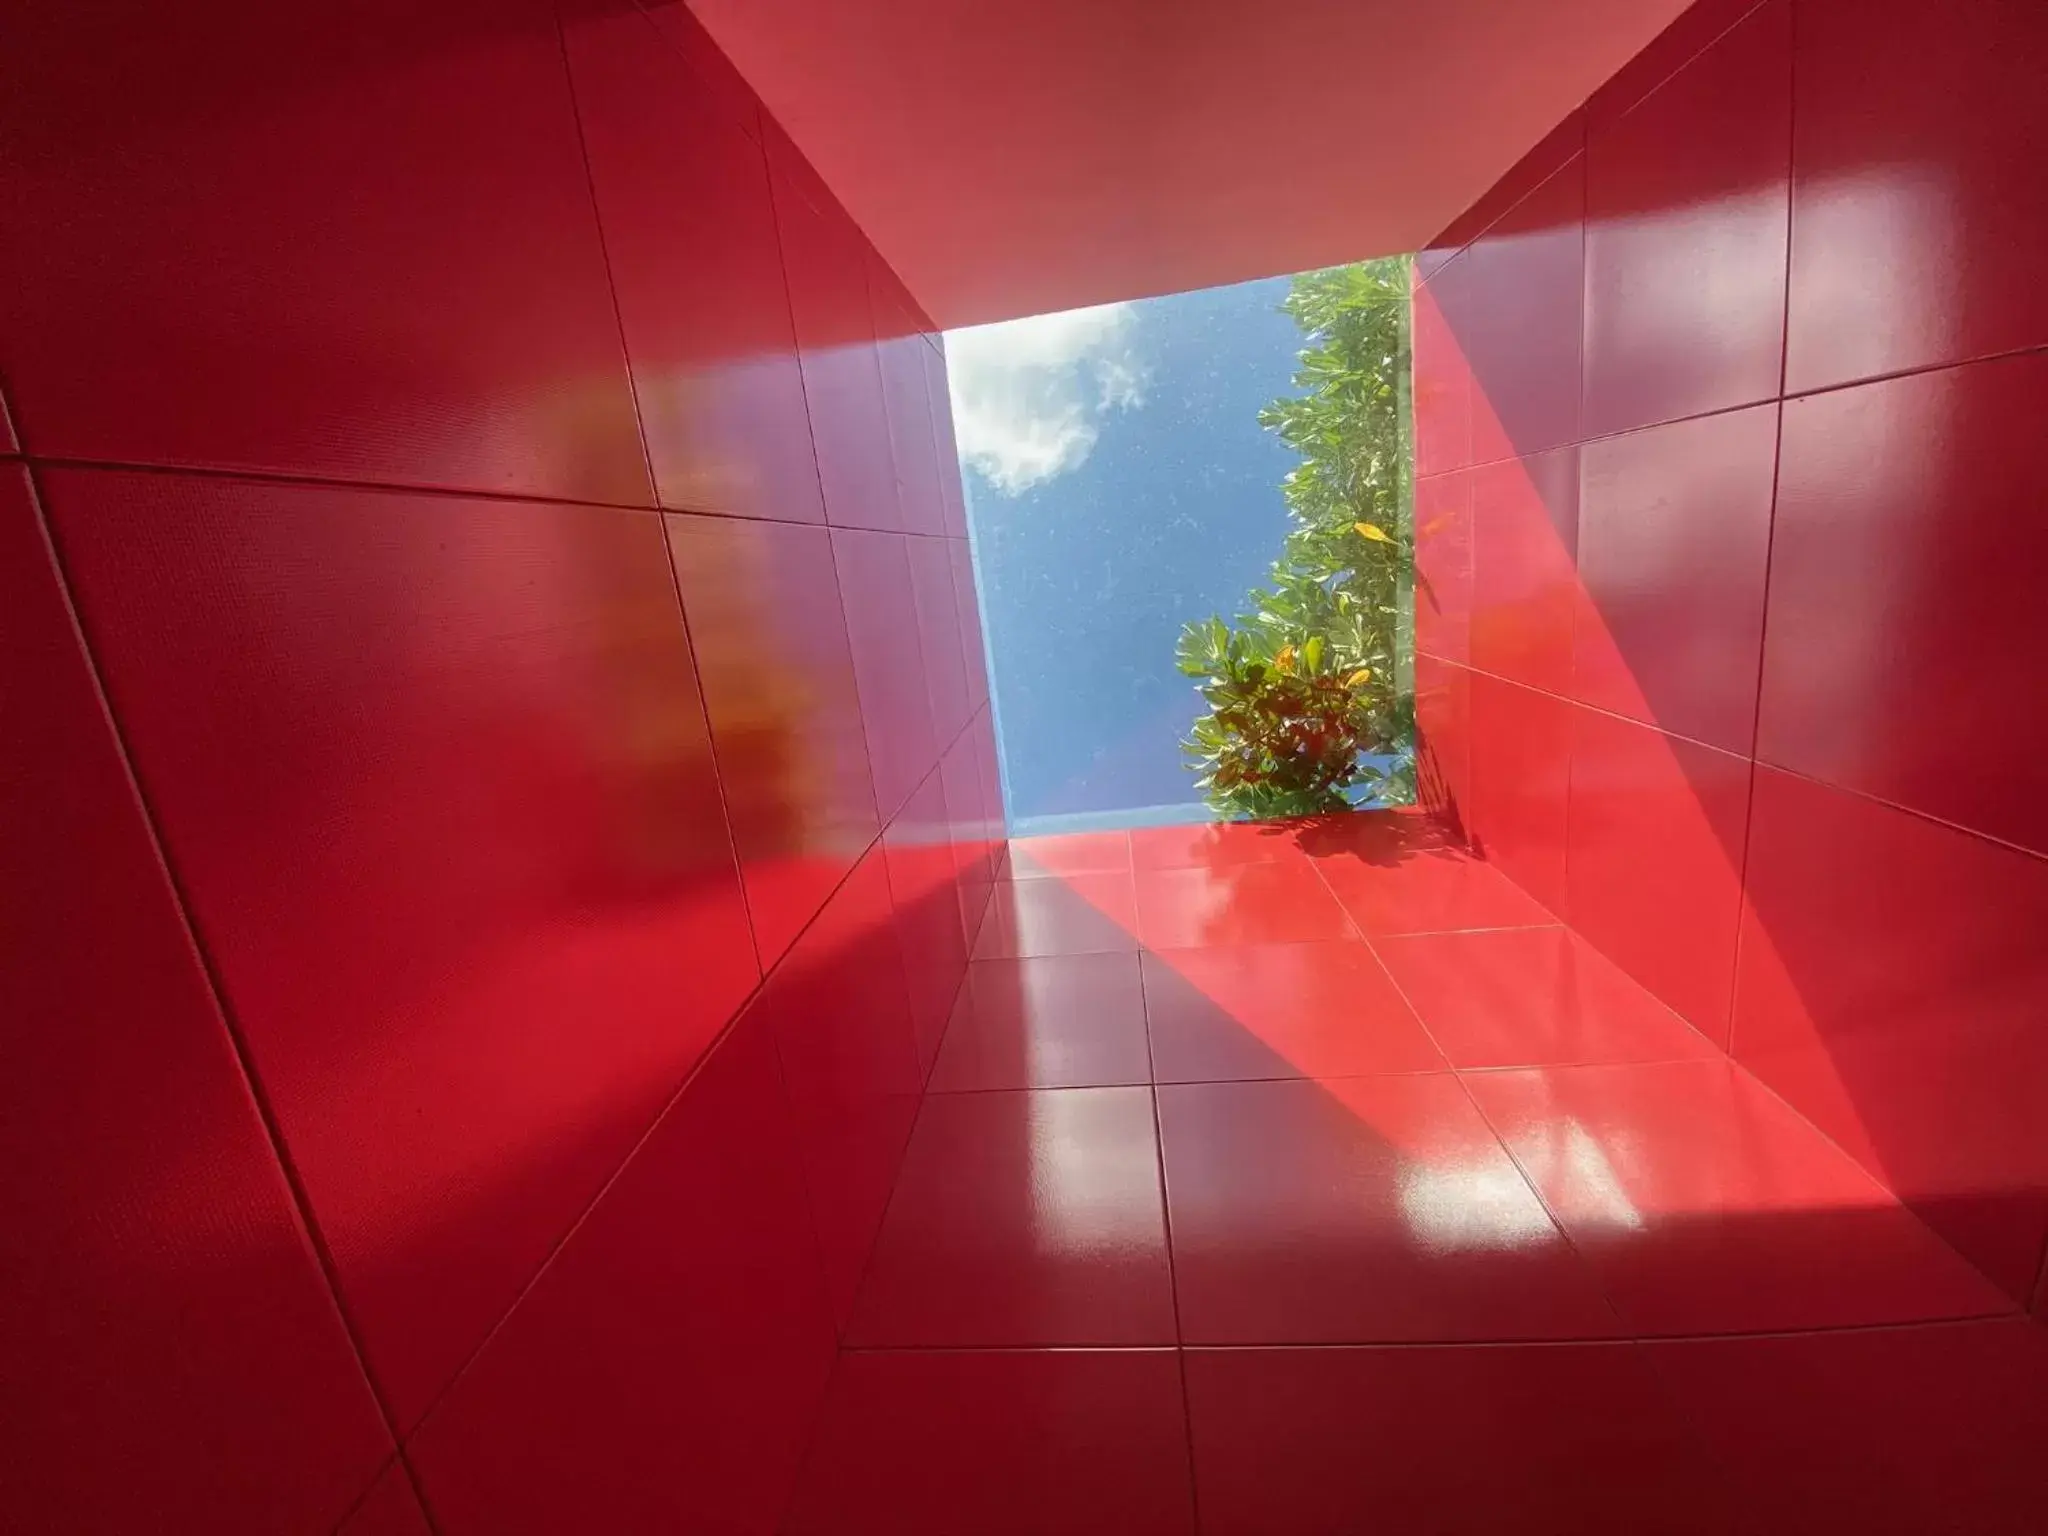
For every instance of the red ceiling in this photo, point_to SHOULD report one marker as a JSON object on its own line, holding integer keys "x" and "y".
{"x": 1014, "y": 157}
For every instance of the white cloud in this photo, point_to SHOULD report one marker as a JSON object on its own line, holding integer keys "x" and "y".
{"x": 1029, "y": 396}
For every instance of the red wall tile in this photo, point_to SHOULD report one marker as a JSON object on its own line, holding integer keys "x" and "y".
{"x": 664, "y": 1370}
{"x": 175, "y": 1358}
{"x": 714, "y": 75}
{"x": 769, "y": 636}
{"x": 1542, "y": 162}
{"x": 1674, "y": 538}
{"x": 1918, "y": 201}
{"x": 968, "y": 606}
{"x": 1657, "y": 828}
{"x": 989, "y": 760}
{"x": 1900, "y": 657}
{"x": 1521, "y": 775}
{"x": 390, "y": 1508}
{"x": 929, "y": 918}
{"x": 966, "y": 826}
{"x": 706, "y": 318}
{"x": 1443, "y": 725}
{"x": 1515, "y": 311}
{"x": 1443, "y": 566}
{"x": 842, "y": 369}
{"x": 839, "y": 1011}
{"x": 481, "y": 875}
{"x": 1686, "y": 199}
{"x": 436, "y": 776}
{"x": 906, "y": 391}
{"x": 339, "y": 240}
{"x": 938, "y": 628}
{"x": 1890, "y": 984}
{"x": 888, "y": 659}
{"x": 1443, "y": 379}
{"x": 1525, "y": 524}
{"x": 952, "y": 493}
{"x": 1690, "y": 34}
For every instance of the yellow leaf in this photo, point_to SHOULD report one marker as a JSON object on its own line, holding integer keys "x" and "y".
{"x": 1285, "y": 660}
{"x": 1372, "y": 531}
{"x": 1362, "y": 675}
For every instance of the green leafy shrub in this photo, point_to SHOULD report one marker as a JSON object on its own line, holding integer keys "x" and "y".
{"x": 1315, "y": 676}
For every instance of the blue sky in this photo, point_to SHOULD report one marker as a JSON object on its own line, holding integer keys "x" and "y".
{"x": 1118, "y": 485}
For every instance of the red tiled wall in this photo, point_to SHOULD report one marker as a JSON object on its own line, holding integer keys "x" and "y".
{"x": 1727, "y": 398}
{"x": 468, "y": 470}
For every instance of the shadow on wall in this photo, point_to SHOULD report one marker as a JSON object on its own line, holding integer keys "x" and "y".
{"x": 667, "y": 1365}
{"x": 1645, "y": 398}
{"x": 437, "y": 785}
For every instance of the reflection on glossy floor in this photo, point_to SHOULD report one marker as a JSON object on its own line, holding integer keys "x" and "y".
{"x": 1299, "y": 1181}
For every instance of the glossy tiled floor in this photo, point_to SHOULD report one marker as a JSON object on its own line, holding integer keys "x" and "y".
{"x": 1303, "y": 1182}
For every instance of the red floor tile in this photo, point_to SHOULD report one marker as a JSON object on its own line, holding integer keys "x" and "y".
{"x": 1433, "y": 891}
{"x": 1072, "y": 915}
{"x": 1023, "y": 1218}
{"x": 1518, "y": 997}
{"x": 1058, "y": 1021}
{"x": 1237, "y": 904}
{"x": 1884, "y": 1432}
{"x": 1361, "y": 1210}
{"x": 1214, "y": 845}
{"x": 943, "y": 1444}
{"x": 1538, "y": 1440}
{"x": 1073, "y": 853}
{"x": 1279, "y": 1010}
{"x": 1707, "y": 1206}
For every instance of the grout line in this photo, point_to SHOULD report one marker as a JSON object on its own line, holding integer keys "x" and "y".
{"x": 1357, "y": 933}
{"x": 1586, "y": 127}
{"x": 1591, "y": 1271}
{"x": 739, "y": 864}
{"x": 1743, "y": 906}
{"x": 216, "y": 986}
{"x": 748, "y": 123}
{"x": 397, "y": 1458}
{"x": 277, "y": 477}
{"x": 1791, "y": 188}
{"x": 1596, "y": 709}
{"x": 1848, "y": 790}
{"x": 1615, "y": 1341}
{"x": 1448, "y": 1069}
{"x": 611, "y": 283}
{"x": 796, "y": 345}
{"x": 1889, "y": 376}
{"x": 924, "y": 1091}
{"x": 818, "y": 468}
{"x": 1414, "y": 1012}
{"x": 675, "y": 582}
{"x": 1180, "y": 1336}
